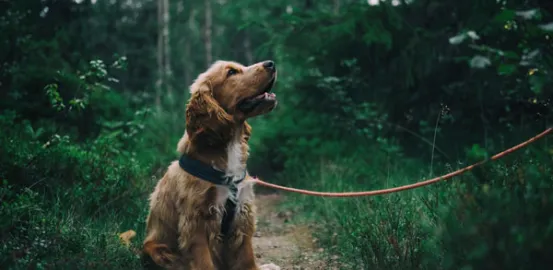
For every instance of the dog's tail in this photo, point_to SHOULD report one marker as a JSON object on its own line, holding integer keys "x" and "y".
{"x": 155, "y": 254}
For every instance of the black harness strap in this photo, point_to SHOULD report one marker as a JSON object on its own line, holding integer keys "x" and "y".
{"x": 217, "y": 177}
{"x": 230, "y": 211}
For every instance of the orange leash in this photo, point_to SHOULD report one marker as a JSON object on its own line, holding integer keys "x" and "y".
{"x": 405, "y": 187}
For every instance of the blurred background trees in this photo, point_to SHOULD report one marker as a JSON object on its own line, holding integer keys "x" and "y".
{"x": 372, "y": 94}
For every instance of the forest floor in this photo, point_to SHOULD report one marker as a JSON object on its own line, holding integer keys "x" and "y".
{"x": 286, "y": 244}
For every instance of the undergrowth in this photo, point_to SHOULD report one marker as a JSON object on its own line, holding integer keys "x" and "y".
{"x": 66, "y": 193}
{"x": 496, "y": 217}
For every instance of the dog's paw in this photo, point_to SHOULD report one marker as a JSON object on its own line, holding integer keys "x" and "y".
{"x": 269, "y": 266}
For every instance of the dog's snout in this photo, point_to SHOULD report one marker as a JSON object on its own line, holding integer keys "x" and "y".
{"x": 270, "y": 65}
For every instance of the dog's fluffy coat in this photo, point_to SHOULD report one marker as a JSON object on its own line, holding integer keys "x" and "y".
{"x": 184, "y": 222}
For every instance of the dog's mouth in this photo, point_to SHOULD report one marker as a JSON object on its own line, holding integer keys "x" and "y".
{"x": 263, "y": 97}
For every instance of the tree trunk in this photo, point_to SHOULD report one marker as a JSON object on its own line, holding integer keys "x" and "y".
{"x": 246, "y": 42}
{"x": 159, "y": 81}
{"x": 188, "y": 61}
{"x": 167, "y": 49}
{"x": 336, "y": 7}
{"x": 308, "y": 4}
{"x": 248, "y": 48}
{"x": 207, "y": 33}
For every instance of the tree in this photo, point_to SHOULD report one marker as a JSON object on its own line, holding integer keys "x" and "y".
{"x": 160, "y": 45}
{"x": 167, "y": 49}
{"x": 207, "y": 33}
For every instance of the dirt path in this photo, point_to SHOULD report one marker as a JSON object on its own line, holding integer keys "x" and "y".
{"x": 289, "y": 246}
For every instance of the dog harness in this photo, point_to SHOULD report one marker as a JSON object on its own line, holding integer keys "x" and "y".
{"x": 217, "y": 177}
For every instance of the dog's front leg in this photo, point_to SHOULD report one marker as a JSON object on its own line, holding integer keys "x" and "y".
{"x": 242, "y": 257}
{"x": 201, "y": 258}
{"x": 195, "y": 247}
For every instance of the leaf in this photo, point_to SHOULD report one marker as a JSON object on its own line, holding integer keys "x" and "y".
{"x": 506, "y": 69}
{"x": 511, "y": 55}
{"x": 504, "y": 16}
{"x": 546, "y": 27}
{"x": 529, "y": 58}
{"x": 113, "y": 80}
{"x": 473, "y": 35}
{"x": 529, "y": 14}
{"x": 479, "y": 61}
{"x": 113, "y": 134}
{"x": 536, "y": 83}
{"x": 458, "y": 39}
{"x": 477, "y": 153}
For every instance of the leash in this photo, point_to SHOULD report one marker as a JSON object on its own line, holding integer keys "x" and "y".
{"x": 405, "y": 187}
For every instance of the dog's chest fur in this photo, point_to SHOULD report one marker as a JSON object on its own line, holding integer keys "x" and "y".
{"x": 235, "y": 167}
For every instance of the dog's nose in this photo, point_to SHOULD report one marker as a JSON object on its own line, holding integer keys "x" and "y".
{"x": 270, "y": 65}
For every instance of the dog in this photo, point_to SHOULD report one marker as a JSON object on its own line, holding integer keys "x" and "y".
{"x": 202, "y": 212}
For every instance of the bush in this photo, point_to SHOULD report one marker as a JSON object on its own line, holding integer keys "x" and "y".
{"x": 65, "y": 193}
{"x": 506, "y": 222}
{"x": 42, "y": 233}
{"x": 63, "y": 202}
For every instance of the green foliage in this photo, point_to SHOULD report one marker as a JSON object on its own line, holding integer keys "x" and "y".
{"x": 509, "y": 215}
{"x": 60, "y": 197}
{"x": 501, "y": 223}
{"x": 401, "y": 67}
{"x": 66, "y": 195}
{"x": 370, "y": 96}
{"x": 373, "y": 87}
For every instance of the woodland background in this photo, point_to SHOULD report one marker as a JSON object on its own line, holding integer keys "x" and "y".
{"x": 371, "y": 95}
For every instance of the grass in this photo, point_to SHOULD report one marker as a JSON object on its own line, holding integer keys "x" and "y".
{"x": 53, "y": 234}
{"x": 468, "y": 222}
{"x": 375, "y": 232}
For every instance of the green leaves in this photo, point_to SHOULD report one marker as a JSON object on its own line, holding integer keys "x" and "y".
{"x": 479, "y": 61}
{"x": 458, "y": 39}
{"x": 377, "y": 34}
{"x": 92, "y": 79}
{"x": 506, "y": 69}
{"x": 55, "y": 99}
{"x": 529, "y": 14}
{"x": 519, "y": 52}
{"x": 477, "y": 153}
{"x": 546, "y": 27}
{"x": 504, "y": 16}
{"x": 32, "y": 132}
{"x": 537, "y": 82}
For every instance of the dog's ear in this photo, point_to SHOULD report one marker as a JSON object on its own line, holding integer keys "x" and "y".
{"x": 181, "y": 145}
{"x": 204, "y": 114}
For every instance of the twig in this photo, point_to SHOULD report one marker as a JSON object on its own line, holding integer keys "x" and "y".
{"x": 422, "y": 139}
{"x": 434, "y": 143}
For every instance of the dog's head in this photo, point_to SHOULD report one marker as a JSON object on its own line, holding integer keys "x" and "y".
{"x": 229, "y": 93}
{"x": 230, "y": 88}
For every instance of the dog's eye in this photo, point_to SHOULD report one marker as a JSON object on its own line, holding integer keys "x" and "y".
{"x": 231, "y": 72}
